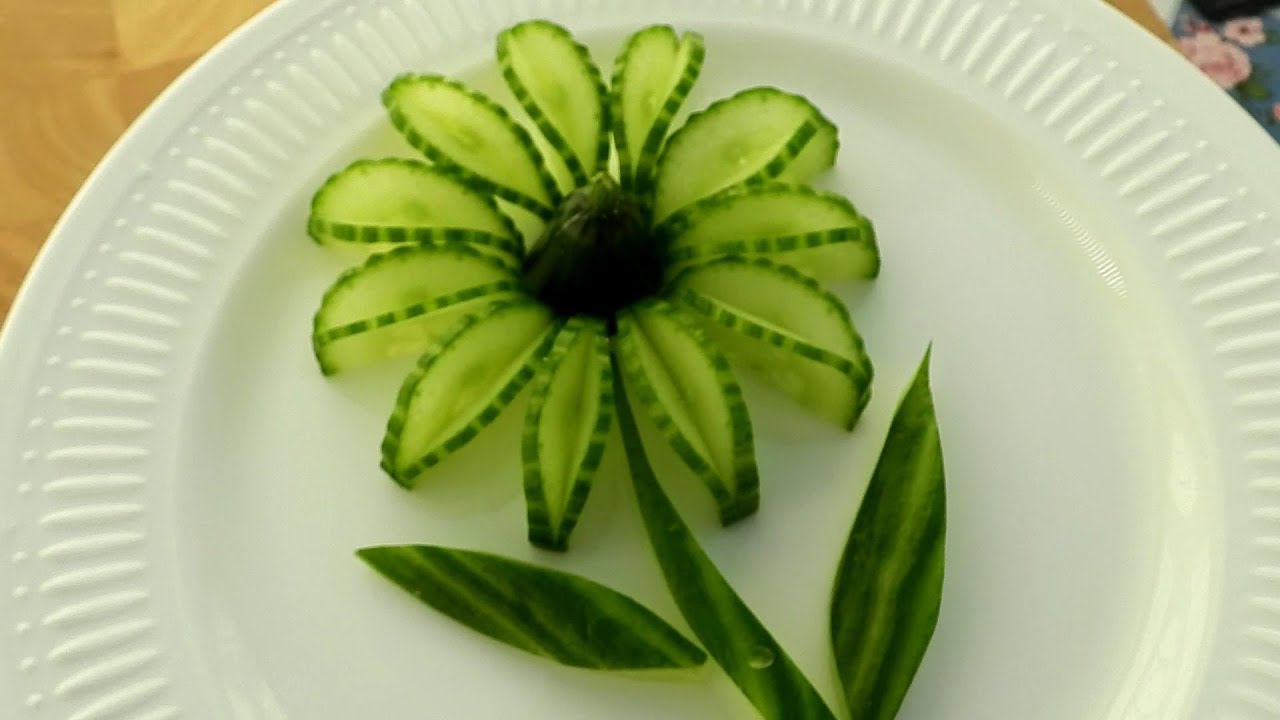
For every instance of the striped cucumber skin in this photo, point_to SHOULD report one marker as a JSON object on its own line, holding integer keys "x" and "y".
{"x": 508, "y": 251}
{"x": 818, "y": 232}
{"x": 569, "y": 417}
{"x": 569, "y": 104}
{"x": 400, "y": 301}
{"x": 732, "y": 634}
{"x": 385, "y": 200}
{"x": 753, "y": 136}
{"x": 462, "y": 384}
{"x": 652, "y": 77}
{"x": 690, "y": 393}
{"x": 787, "y": 328}
{"x": 470, "y": 135}
{"x": 562, "y": 617}
{"x": 888, "y": 587}
{"x": 816, "y": 157}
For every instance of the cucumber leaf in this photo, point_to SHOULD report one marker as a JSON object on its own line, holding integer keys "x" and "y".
{"x": 888, "y": 586}
{"x": 734, "y": 637}
{"x": 559, "y": 616}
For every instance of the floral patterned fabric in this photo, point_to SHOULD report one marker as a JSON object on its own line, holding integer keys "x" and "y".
{"x": 1241, "y": 55}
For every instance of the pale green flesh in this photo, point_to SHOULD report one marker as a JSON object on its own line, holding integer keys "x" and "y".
{"x": 571, "y": 413}
{"x": 753, "y": 135}
{"x": 404, "y": 337}
{"x": 818, "y": 155}
{"x": 573, "y": 402}
{"x": 657, "y": 70}
{"x": 831, "y": 386}
{"x": 567, "y": 103}
{"x": 405, "y": 193}
{"x": 461, "y": 387}
{"x": 400, "y": 302}
{"x": 695, "y": 400}
{"x": 456, "y": 126}
{"x": 791, "y": 333}
{"x": 820, "y": 233}
{"x": 769, "y": 293}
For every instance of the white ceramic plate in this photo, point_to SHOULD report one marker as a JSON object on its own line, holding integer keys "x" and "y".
{"x": 1075, "y": 219}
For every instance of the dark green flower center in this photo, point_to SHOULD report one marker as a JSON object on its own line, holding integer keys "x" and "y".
{"x": 597, "y": 254}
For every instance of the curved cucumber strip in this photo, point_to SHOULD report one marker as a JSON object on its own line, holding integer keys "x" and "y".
{"x": 753, "y": 136}
{"x": 555, "y": 80}
{"x": 731, "y": 633}
{"x": 817, "y": 232}
{"x": 888, "y": 587}
{"x": 689, "y": 391}
{"x": 570, "y": 415}
{"x": 472, "y": 136}
{"x": 652, "y": 76}
{"x": 394, "y": 201}
{"x": 462, "y": 384}
{"x": 562, "y": 617}
{"x": 401, "y": 301}
{"x": 786, "y": 327}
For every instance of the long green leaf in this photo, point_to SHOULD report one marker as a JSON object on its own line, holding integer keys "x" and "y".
{"x": 888, "y": 587}
{"x": 559, "y": 616}
{"x": 732, "y": 634}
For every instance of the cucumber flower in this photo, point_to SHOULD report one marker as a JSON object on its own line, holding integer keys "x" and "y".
{"x": 539, "y": 245}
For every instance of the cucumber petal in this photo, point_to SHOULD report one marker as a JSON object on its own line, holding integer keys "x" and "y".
{"x": 568, "y": 422}
{"x": 466, "y": 133}
{"x": 562, "y": 617}
{"x": 753, "y": 136}
{"x": 555, "y": 80}
{"x": 401, "y": 193}
{"x": 817, "y": 232}
{"x": 818, "y": 155}
{"x": 401, "y": 301}
{"x": 888, "y": 587}
{"x": 689, "y": 391}
{"x": 732, "y": 634}
{"x": 652, "y": 76}
{"x": 787, "y": 328}
{"x": 462, "y": 384}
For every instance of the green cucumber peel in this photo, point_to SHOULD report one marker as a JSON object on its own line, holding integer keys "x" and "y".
{"x": 888, "y": 587}
{"x": 562, "y": 617}
{"x": 733, "y": 636}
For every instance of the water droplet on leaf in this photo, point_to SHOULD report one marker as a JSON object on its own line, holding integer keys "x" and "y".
{"x": 761, "y": 657}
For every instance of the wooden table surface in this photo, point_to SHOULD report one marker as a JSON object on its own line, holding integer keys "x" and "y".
{"x": 75, "y": 73}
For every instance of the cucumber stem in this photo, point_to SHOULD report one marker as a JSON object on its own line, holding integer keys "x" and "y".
{"x": 596, "y": 255}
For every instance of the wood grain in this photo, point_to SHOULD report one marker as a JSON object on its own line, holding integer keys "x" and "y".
{"x": 82, "y": 70}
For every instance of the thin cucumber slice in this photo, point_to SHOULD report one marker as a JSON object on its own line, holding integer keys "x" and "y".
{"x": 652, "y": 76}
{"x": 569, "y": 418}
{"x": 732, "y": 634}
{"x": 555, "y": 80}
{"x": 379, "y": 204}
{"x": 788, "y": 329}
{"x": 400, "y": 193}
{"x": 818, "y": 155}
{"x": 817, "y": 232}
{"x": 400, "y": 302}
{"x": 561, "y": 617}
{"x": 473, "y": 136}
{"x": 750, "y": 137}
{"x": 462, "y": 384}
{"x": 889, "y": 583}
{"x": 689, "y": 391}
